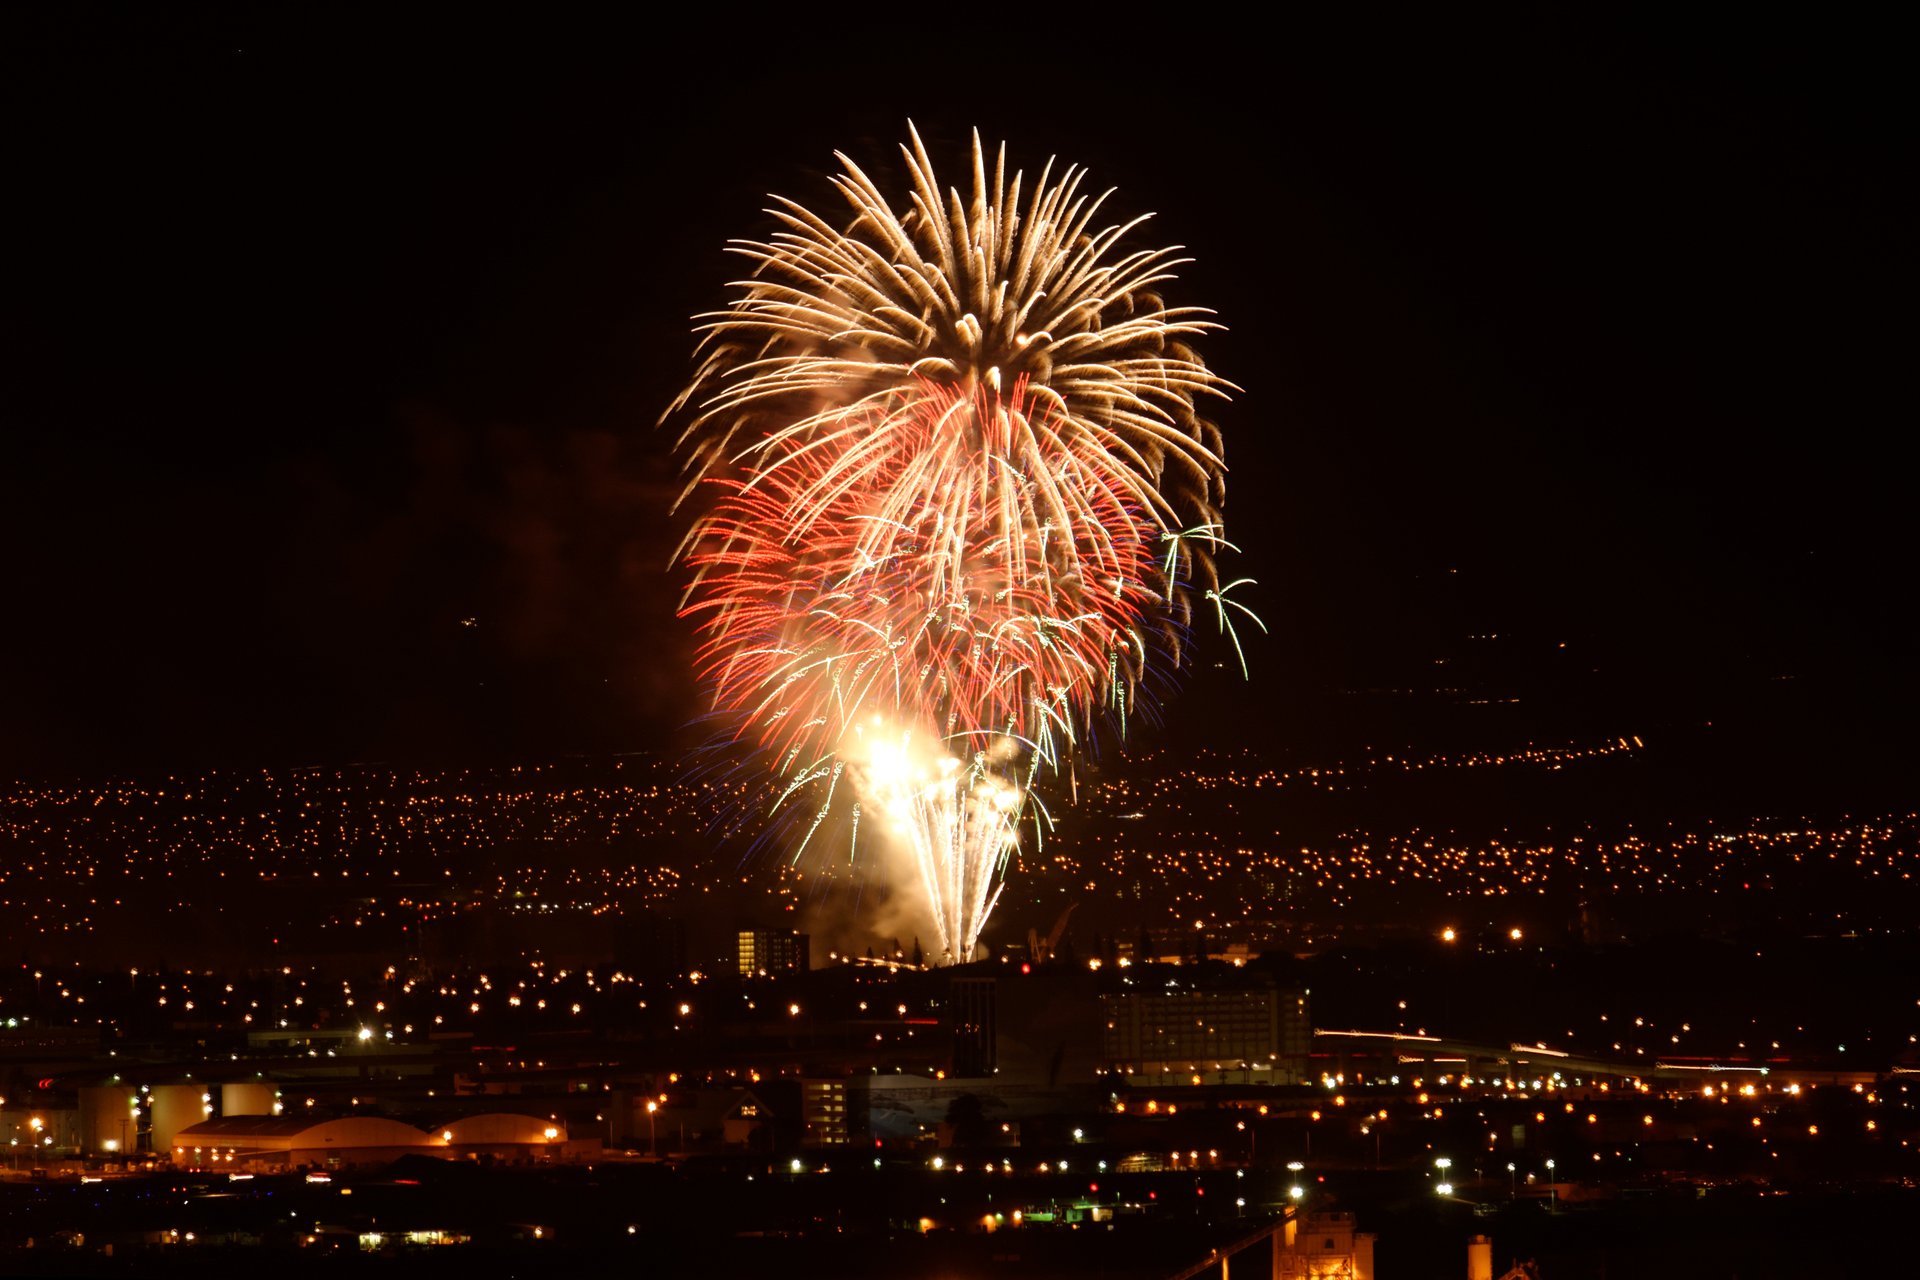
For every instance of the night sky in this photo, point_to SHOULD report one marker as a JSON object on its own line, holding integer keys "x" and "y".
{"x": 334, "y": 348}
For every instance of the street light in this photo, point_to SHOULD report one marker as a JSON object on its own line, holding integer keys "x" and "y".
{"x": 653, "y": 1145}
{"x": 1553, "y": 1192}
{"x": 1512, "y": 1187}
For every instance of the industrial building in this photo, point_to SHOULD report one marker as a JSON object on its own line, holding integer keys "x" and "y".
{"x": 266, "y": 1143}
{"x": 249, "y": 1143}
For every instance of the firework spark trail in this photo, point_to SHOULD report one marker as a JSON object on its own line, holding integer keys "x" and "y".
{"x": 958, "y": 501}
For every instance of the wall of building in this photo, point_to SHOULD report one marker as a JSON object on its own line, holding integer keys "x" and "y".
{"x": 108, "y": 1121}
{"x": 1252, "y": 1034}
{"x": 248, "y": 1099}
{"x": 174, "y": 1107}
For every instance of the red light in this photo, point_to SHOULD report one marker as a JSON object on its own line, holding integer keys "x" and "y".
{"x": 1025, "y": 967}
{"x": 1153, "y": 1195}
{"x": 1094, "y": 1187}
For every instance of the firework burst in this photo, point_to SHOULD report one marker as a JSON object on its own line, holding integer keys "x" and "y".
{"x": 959, "y": 498}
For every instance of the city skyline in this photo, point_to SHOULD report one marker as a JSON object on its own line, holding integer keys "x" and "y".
{"x": 424, "y": 844}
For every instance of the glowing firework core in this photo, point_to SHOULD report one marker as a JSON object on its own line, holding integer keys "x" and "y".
{"x": 959, "y": 499}
{"x": 956, "y": 819}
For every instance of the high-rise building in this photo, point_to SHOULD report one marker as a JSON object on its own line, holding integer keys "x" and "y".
{"x": 772, "y": 951}
{"x": 970, "y": 1010}
{"x": 1246, "y": 1031}
{"x": 823, "y": 1112}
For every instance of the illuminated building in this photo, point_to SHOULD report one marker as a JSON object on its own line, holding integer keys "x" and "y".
{"x": 1323, "y": 1247}
{"x": 823, "y": 1112}
{"x": 1171, "y": 1034}
{"x": 771, "y": 951}
{"x": 241, "y": 1142}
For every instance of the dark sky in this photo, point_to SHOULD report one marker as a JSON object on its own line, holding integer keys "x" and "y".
{"x": 333, "y": 349}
